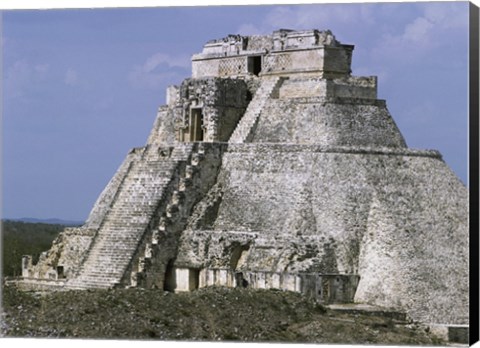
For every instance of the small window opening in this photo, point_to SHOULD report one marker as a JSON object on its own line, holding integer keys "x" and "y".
{"x": 255, "y": 65}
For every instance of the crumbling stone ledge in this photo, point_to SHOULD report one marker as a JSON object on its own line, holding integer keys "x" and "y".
{"x": 268, "y": 147}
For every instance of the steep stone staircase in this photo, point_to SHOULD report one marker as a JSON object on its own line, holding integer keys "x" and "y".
{"x": 247, "y": 124}
{"x": 148, "y": 270}
{"x": 145, "y": 186}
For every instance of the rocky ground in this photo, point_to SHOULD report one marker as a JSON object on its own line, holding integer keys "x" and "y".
{"x": 209, "y": 314}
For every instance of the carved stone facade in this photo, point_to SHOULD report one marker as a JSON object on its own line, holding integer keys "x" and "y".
{"x": 307, "y": 52}
{"x": 274, "y": 167}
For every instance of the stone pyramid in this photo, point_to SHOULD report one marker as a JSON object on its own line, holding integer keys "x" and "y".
{"x": 274, "y": 167}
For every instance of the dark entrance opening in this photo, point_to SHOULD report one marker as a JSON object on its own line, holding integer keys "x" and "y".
{"x": 195, "y": 279}
{"x": 255, "y": 65}
{"x": 170, "y": 281}
{"x": 249, "y": 96}
{"x": 240, "y": 281}
{"x": 196, "y": 124}
{"x": 60, "y": 273}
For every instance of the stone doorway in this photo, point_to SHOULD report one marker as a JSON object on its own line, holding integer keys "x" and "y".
{"x": 60, "y": 272}
{"x": 255, "y": 65}
{"x": 170, "y": 281}
{"x": 196, "y": 124}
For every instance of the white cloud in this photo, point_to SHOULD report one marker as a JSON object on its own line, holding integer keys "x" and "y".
{"x": 159, "y": 58}
{"x": 448, "y": 16}
{"x": 435, "y": 26}
{"x": 418, "y": 31}
{"x": 249, "y": 29}
{"x": 327, "y": 16}
{"x": 22, "y": 75}
{"x": 71, "y": 77}
{"x": 157, "y": 69}
{"x": 398, "y": 31}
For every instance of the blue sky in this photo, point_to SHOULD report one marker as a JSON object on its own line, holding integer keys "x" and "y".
{"x": 81, "y": 87}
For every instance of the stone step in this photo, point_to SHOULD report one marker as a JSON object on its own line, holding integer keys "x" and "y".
{"x": 131, "y": 219}
{"x": 89, "y": 285}
{"x": 125, "y": 227}
{"x": 143, "y": 188}
{"x": 93, "y": 279}
{"x": 148, "y": 187}
{"x": 109, "y": 267}
{"x": 114, "y": 248}
{"x": 249, "y": 119}
{"x": 118, "y": 251}
{"x": 104, "y": 275}
{"x": 117, "y": 227}
{"x": 110, "y": 275}
{"x": 126, "y": 232}
{"x": 98, "y": 279}
{"x": 114, "y": 236}
{"x": 113, "y": 270}
{"x": 122, "y": 209}
{"x": 112, "y": 263}
{"x": 354, "y": 308}
{"x": 109, "y": 244}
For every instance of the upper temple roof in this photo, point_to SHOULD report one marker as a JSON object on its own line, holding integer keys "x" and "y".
{"x": 283, "y": 52}
{"x": 282, "y": 39}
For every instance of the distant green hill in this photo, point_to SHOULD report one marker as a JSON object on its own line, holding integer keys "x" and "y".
{"x": 51, "y": 221}
{"x": 23, "y": 238}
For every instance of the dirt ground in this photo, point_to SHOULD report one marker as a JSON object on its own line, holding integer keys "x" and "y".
{"x": 211, "y": 314}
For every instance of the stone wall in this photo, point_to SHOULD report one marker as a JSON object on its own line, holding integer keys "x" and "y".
{"x": 328, "y": 62}
{"x": 202, "y": 68}
{"x": 222, "y": 103}
{"x": 163, "y": 130}
{"x": 328, "y": 121}
{"x": 331, "y": 288}
{"x": 396, "y": 217}
{"x": 416, "y": 244}
{"x": 348, "y": 87}
{"x": 259, "y": 43}
{"x": 29, "y": 284}
{"x": 64, "y": 258}
{"x": 361, "y": 87}
{"x": 325, "y": 288}
{"x": 286, "y": 39}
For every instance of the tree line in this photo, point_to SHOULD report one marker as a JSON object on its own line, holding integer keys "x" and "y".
{"x": 23, "y": 238}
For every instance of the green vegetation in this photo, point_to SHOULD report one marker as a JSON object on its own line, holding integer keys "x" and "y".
{"x": 209, "y": 314}
{"x": 21, "y": 238}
